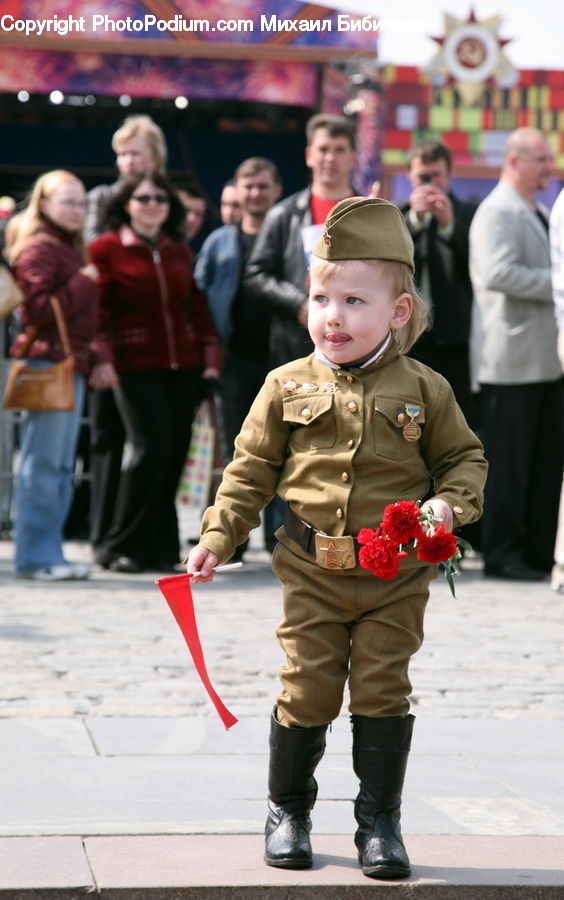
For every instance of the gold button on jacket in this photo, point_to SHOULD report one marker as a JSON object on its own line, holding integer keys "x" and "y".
{"x": 280, "y": 450}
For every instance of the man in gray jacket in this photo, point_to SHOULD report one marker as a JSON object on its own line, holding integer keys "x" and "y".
{"x": 517, "y": 365}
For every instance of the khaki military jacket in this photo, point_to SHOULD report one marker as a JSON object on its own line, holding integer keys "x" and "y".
{"x": 331, "y": 443}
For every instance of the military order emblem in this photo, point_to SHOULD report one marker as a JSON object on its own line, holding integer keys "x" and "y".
{"x": 471, "y": 55}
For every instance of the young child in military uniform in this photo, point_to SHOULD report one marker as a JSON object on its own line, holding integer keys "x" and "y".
{"x": 339, "y": 435}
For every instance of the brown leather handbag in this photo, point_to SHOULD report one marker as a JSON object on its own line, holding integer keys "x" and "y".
{"x": 42, "y": 389}
{"x": 10, "y": 292}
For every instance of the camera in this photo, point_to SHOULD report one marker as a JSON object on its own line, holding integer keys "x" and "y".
{"x": 425, "y": 179}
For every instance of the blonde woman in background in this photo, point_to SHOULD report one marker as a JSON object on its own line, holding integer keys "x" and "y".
{"x": 140, "y": 146}
{"x": 49, "y": 259}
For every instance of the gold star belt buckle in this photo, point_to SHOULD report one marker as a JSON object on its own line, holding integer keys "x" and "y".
{"x": 335, "y": 552}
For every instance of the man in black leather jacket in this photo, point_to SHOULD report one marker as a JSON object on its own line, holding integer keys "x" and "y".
{"x": 277, "y": 270}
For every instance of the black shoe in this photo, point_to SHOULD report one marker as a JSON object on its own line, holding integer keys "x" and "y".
{"x": 515, "y": 572}
{"x": 294, "y": 756}
{"x": 103, "y": 558}
{"x": 126, "y": 565}
{"x": 380, "y": 752}
{"x": 383, "y": 855}
{"x": 287, "y": 839}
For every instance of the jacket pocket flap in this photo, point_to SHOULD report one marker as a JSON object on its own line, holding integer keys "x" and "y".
{"x": 400, "y": 411}
{"x": 303, "y": 409}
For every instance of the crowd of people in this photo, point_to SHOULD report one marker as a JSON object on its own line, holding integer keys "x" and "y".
{"x": 365, "y": 354}
{"x": 150, "y": 325}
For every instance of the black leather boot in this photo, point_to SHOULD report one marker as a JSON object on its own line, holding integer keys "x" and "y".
{"x": 292, "y": 789}
{"x": 380, "y": 751}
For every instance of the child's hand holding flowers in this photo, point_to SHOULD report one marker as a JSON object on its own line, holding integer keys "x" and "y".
{"x": 430, "y": 529}
{"x": 440, "y": 510}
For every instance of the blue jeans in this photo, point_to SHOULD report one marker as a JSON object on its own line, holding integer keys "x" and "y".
{"x": 44, "y": 484}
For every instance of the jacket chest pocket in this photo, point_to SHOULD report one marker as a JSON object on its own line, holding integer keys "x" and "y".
{"x": 313, "y": 419}
{"x": 391, "y": 436}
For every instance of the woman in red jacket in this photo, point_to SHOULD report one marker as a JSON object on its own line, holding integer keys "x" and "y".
{"x": 160, "y": 341}
{"x": 47, "y": 252}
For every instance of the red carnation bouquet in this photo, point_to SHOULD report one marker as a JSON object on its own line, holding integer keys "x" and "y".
{"x": 382, "y": 547}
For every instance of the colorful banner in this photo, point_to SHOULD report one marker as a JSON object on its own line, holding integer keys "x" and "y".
{"x": 41, "y": 71}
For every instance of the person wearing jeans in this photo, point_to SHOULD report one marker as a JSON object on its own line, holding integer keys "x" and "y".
{"x": 49, "y": 260}
{"x": 44, "y": 486}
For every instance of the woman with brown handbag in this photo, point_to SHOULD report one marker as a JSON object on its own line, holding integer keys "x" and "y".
{"x": 49, "y": 260}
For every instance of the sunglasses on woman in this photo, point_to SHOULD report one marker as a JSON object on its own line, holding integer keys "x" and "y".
{"x": 146, "y": 198}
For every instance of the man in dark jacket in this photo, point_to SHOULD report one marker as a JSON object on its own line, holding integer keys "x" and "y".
{"x": 276, "y": 273}
{"x": 242, "y": 323}
{"x": 439, "y": 224}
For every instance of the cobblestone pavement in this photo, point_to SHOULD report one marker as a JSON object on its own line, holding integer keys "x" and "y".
{"x": 109, "y": 646}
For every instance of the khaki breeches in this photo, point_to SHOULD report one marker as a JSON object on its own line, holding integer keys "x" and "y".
{"x": 338, "y": 626}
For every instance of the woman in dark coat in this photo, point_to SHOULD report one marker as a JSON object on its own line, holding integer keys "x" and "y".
{"x": 161, "y": 342}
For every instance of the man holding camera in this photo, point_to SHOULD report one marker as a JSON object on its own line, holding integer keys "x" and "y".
{"x": 439, "y": 224}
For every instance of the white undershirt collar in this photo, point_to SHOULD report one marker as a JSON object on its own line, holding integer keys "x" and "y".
{"x": 320, "y": 357}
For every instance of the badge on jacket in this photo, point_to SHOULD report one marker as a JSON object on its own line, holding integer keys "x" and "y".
{"x": 411, "y": 431}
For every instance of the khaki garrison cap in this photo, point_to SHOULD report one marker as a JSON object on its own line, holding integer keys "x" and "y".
{"x": 365, "y": 228}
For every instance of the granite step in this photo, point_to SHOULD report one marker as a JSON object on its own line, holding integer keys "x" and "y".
{"x": 230, "y": 867}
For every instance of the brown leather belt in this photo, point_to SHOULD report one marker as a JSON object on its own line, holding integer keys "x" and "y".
{"x": 329, "y": 552}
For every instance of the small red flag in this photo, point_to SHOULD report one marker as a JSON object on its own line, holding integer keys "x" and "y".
{"x": 177, "y": 593}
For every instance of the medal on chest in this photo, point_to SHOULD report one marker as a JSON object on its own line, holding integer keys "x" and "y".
{"x": 411, "y": 431}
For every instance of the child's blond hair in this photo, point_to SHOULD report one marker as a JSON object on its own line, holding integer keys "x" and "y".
{"x": 400, "y": 279}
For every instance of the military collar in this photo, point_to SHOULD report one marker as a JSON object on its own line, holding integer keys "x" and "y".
{"x": 380, "y": 353}
{"x": 390, "y": 353}
{"x": 388, "y": 356}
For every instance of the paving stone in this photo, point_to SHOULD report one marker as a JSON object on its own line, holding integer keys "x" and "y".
{"x": 540, "y": 778}
{"x": 204, "y": 734}
{"x": 44, "y": 737}
{"x": 499, "y": 815}
{"x": 84, "y": 795}
{"x": 487, "y": 737}
{"x": 40, "y": 862}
